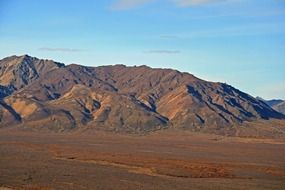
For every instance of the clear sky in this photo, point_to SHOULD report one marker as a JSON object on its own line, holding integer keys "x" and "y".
{"x": 240, "y": 42}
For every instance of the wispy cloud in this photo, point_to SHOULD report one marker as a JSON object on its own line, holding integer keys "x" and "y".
{"x": 187, "y": 3}
{"x": 60, "y": 49}
{"x": 162, "y": 51}
{"x": 128, "y": 4}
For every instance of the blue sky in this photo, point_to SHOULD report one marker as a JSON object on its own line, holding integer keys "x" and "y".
{"x": 240, "y": 42}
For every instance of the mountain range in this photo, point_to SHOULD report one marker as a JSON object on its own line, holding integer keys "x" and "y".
{"x": 44, "y": 94}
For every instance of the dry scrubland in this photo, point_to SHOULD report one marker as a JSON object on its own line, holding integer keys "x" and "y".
{"x": 163, "y": 160}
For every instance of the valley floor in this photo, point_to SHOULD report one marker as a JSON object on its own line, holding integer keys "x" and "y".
{"x": 164, "y": 160}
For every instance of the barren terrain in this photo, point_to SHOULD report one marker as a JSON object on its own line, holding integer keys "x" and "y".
{"x": 163, "y": 160}
{"x": 48, "y": 95}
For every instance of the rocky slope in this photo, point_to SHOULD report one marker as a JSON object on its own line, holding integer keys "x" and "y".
{"x": 45, "y": 94}
{"x": 278, "y": 105}
{"x": 18, "y": 72}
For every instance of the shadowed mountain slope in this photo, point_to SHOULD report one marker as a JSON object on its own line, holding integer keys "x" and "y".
{"x": 52, "y": 96}
{"x": 278, "y": 105}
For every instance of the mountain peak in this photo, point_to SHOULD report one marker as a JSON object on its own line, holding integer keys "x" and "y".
{"x": 25, "y": 56}
{"x": 19, "y": 71}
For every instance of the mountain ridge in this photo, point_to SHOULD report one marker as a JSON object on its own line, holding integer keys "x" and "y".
{"x": 276, "y": 104}
{"x": 136, "y": 99}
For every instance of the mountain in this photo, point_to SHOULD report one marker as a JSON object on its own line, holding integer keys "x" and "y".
{"x": 18, "y": 72}
{"x": 44, "y": 94}
{"x": 278, "y": 105}
{"x": 272, "y": 102}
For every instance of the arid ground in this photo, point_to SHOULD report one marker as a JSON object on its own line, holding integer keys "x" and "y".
{"x": 163, "y": 160}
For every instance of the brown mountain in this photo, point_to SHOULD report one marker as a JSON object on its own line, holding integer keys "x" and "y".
{"x": 45, "y": 94}
{"x": 18, "y": 72}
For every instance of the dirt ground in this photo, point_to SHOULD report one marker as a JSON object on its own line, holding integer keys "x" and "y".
{"x": 164, "y": 160}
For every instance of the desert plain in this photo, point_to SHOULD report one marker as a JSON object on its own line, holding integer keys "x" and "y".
{"x": 168, "y": 160}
